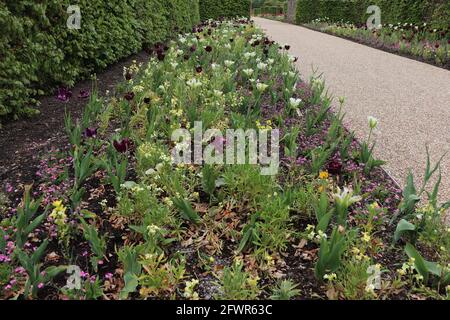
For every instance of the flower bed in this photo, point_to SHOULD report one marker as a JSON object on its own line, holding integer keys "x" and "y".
{"x": 125, "y": 221}
{"x": 415, "y": 41}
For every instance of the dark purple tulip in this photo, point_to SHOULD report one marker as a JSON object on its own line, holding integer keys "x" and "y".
{"x": 335, "y": 166}
{"x": 295, "y": 59}
{"x": 129, "y": 96}
{"x": 193, "y": 48}
{"x": 199, "y": 69}
{"x": 84, "y": 94}
{"x": 122, "y": 146}
{"x": 128, "y": 76}
{"x": 231, "y": 40}
{"x": 161, "y": 56}
{"x": 287, "y": 47}
{"x": 437, "y": 45}
{"x": 208, "y": 48}
{"x": 64, "y": 94}
{"x": 186, "y": 58}
{"x": 90, "y": 132}
{"x": 147, "y": 100}
{"x": 448, "y": 41}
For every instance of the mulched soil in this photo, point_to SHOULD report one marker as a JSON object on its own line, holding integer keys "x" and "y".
{"x": 22, "y": 141}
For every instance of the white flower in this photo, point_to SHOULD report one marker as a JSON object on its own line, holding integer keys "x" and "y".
{"x": 373, "y": 122}
{"x": 261, "y": 87}
{"x": 345, "y": 197}
{"x": 214, "y": 66}
{"x": 228, "y": 63}
{"x": 270, "y": 61}
{"x": 218, "y": 93}
{"x": 194, "y": 83}
{"x": 294, "y": 103}
{"x": 262, "y": 66}
{"x": 174, "y": 65}
{"x": 248, "y": 72}
{"x": 249, "y": 55}
{"x": 228, "y": 46}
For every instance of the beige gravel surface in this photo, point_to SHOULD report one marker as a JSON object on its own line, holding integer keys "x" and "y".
{"x": 411, "y": 99}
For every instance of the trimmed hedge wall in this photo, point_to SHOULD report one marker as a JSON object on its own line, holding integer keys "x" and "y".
{"x": 434, "y": 12}
{"x": 214, "y": 9}
{"x": 38, "y": 51}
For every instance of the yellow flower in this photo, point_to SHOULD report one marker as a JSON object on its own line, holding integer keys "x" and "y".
{"x": 57, "y": 203}
{"x": 253, "y": 282}
{"x": 366, "y": 237}
{"x": 375, "y": 205}
{"x": 330, "y": 277}
{"x": 324, "y": 175}
{"x": 321, "y": 188}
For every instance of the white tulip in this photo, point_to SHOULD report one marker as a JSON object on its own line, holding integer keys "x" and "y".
{"x": 373, "y": 122}
{"x": 248, "y": 72}
{"x": 261, "y": 87}
{"x": 294, "y": 103}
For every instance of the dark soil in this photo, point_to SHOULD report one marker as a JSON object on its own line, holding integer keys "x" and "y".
{"x": 23, "y": 140}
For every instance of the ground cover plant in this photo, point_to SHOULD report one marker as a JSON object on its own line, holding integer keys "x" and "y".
{"x": 112, "y": 217}
{"x": 421, "y": 41}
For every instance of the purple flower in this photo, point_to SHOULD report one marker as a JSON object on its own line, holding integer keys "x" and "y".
{"x": 208, "y": 49}
{"x": 64, "y": 94}
{"x": 109, "y": 276}
{"x": 129, "y": 96}
{"x": 84, "y": 94}
{"x": 199, "y": 69}
{"x": 161, "y": 56}
{"x": 122, "y": 146}
{"x": 40, "y": 285}
{"x": 90, "y": 132}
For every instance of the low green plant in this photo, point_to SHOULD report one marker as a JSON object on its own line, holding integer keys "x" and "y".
{"x": 96, "y": 242}
{"x": 115, "y": 165}
{"x": 320, "y": 156}
{"x": 73, "y": 130}
{"x": 24, "y": 223}
{"x": 237, "y": 284}
{"x": 428, "y": 269}
{"x": 365, "y": 155}
{"x": 84, "y": 165}
{"x": 37, "y": 277}
{"x": 412, "y": 222}
{"x": 322, "y": 210}
{"x": 186, "y": 210}
{"x": 330, "y": 253}
{"x": 129, "y": 257}
{"x": 209, "y": 178}
{"x": 285, "y": 290}
{"x": 290, "y": 142}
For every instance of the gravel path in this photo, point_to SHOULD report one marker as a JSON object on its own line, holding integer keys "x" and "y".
{"x": 411, "y": 99}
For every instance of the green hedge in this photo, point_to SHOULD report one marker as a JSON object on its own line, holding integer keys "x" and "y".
{"x": 39, "y": 52}
{"x": 213, "y": 9}
{"x": 434, "y": 12}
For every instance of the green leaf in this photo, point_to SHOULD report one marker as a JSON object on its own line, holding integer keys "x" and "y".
{"x": 403, "y": 227}
{"x": 186, "y": 210}
{"x": 131, "y": 283}
{"x": 419, "y": 262}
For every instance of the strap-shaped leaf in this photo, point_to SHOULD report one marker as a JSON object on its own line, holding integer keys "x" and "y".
{"x": 402, "y": 228}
